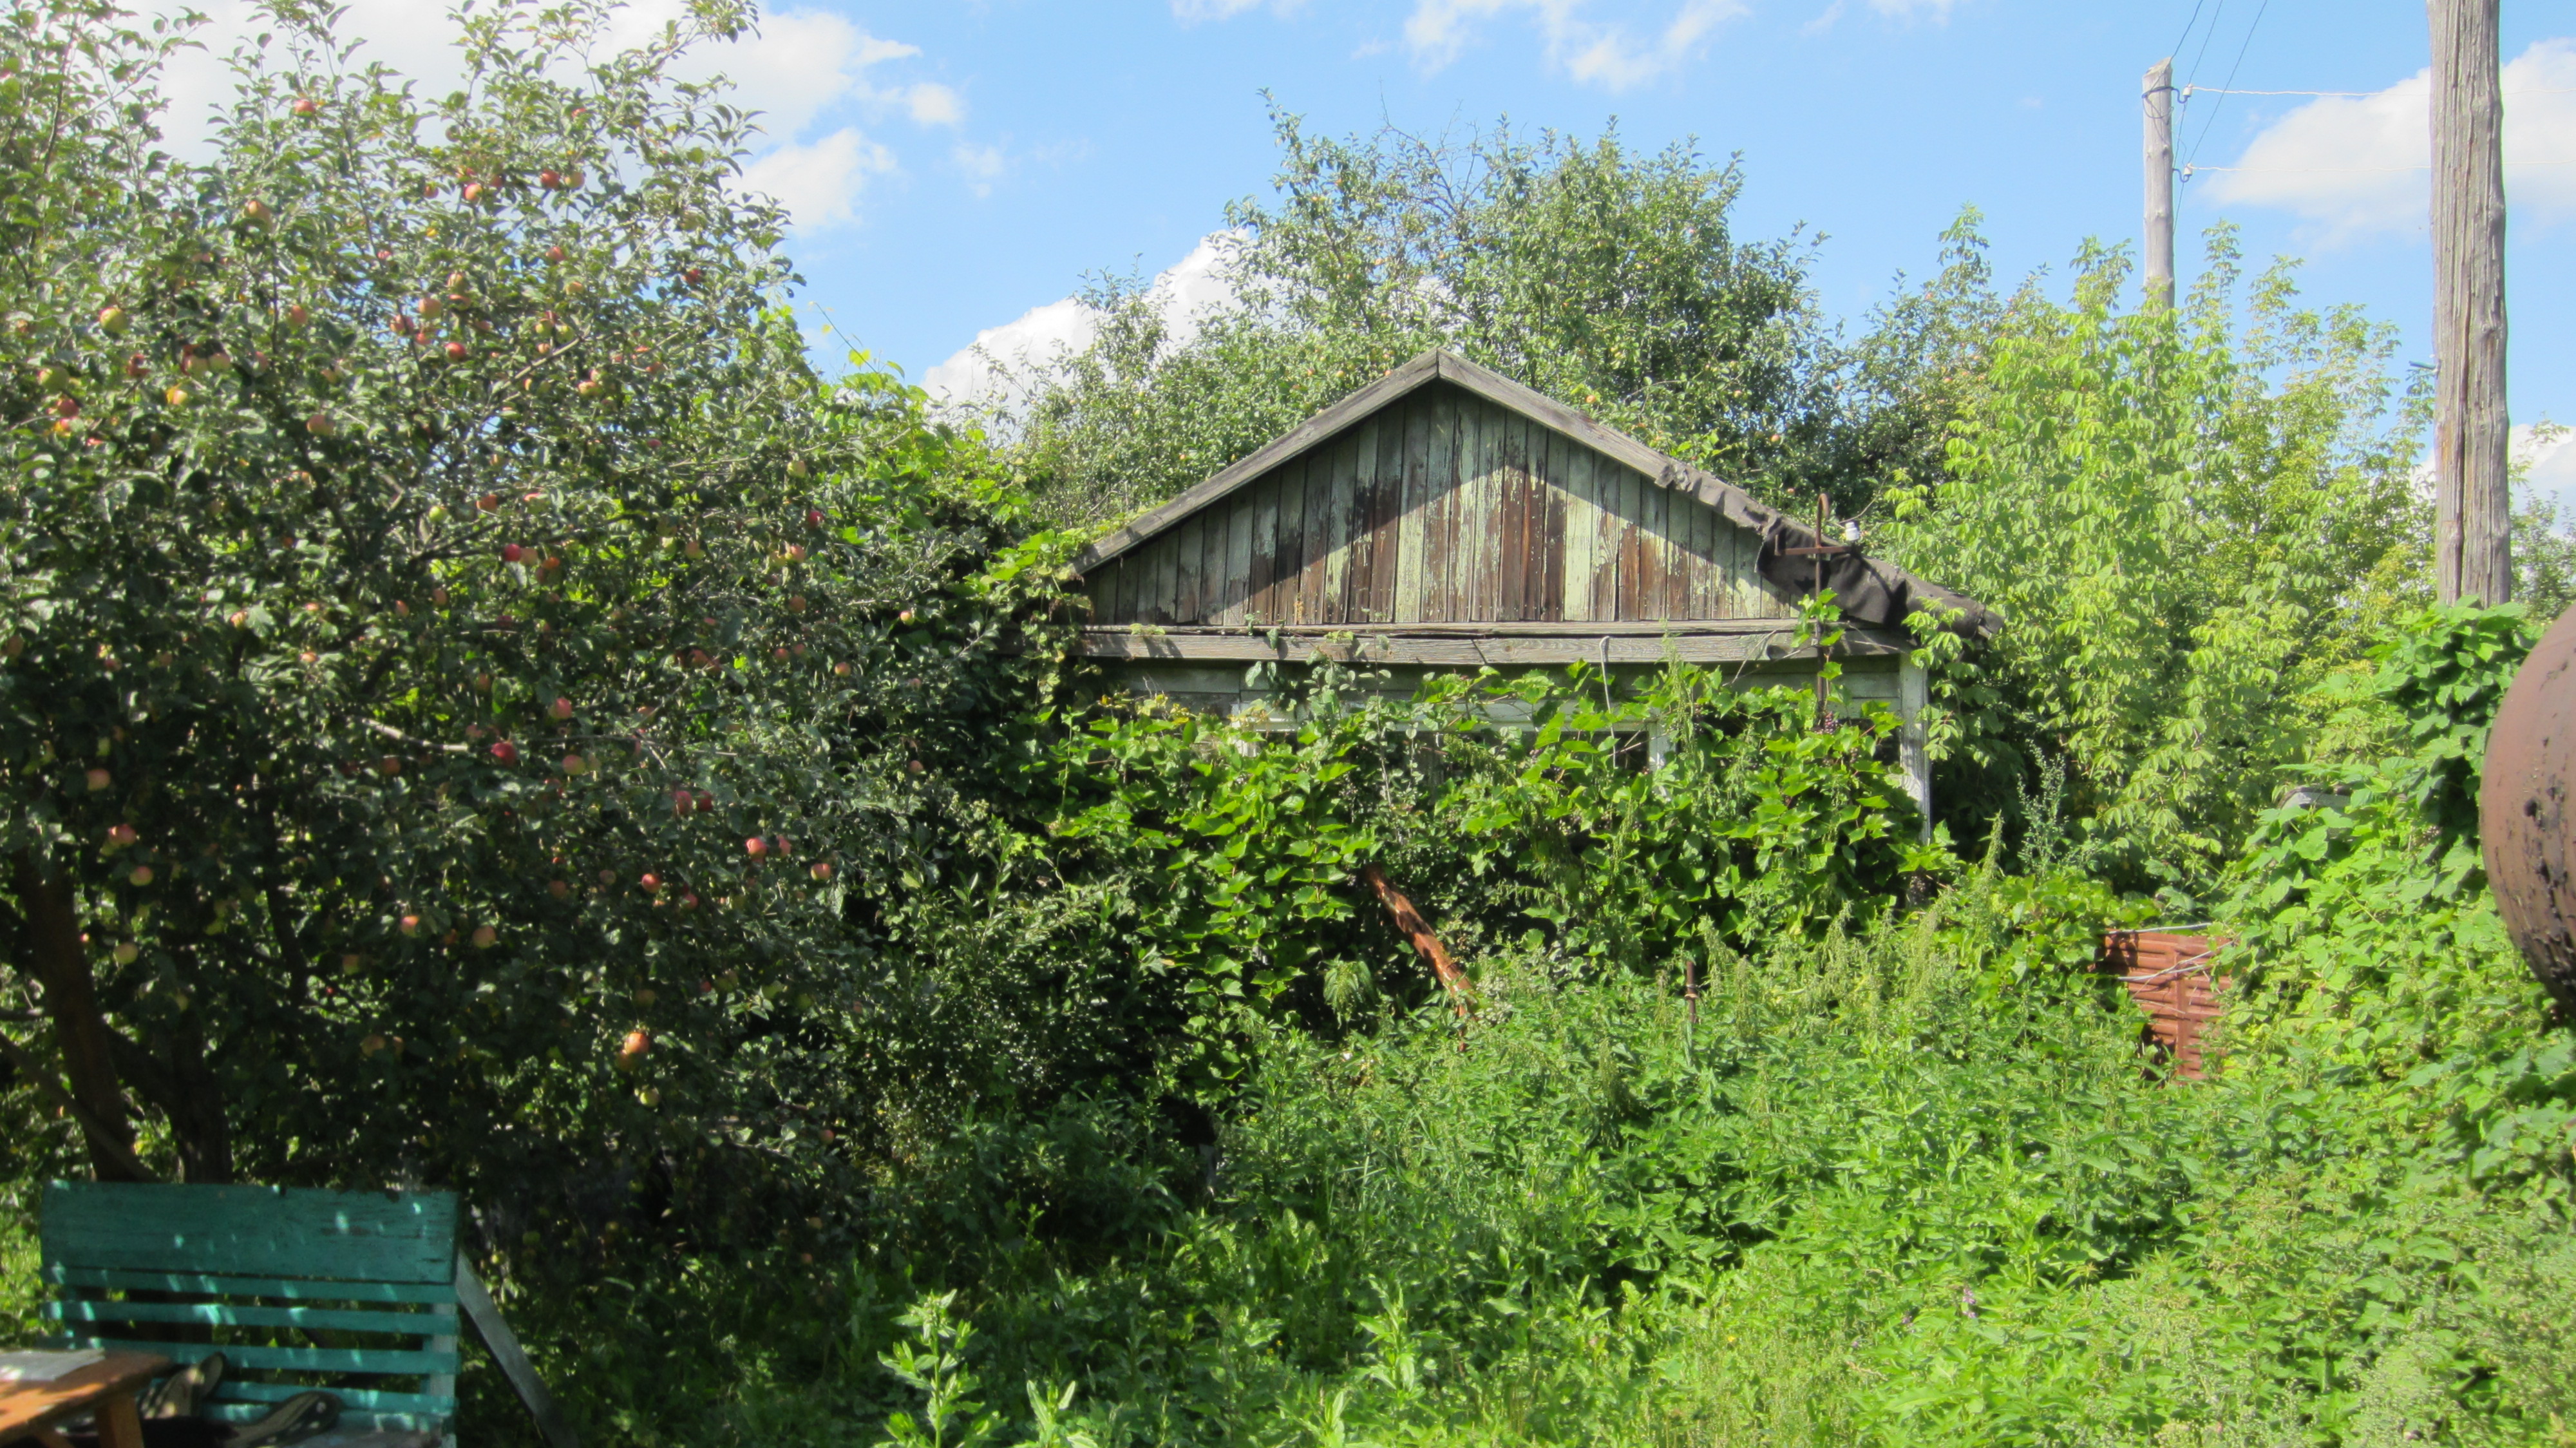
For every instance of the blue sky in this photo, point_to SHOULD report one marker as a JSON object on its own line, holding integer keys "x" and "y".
{"x": 956, "y": 167}
{"x": 1111, "y": 135}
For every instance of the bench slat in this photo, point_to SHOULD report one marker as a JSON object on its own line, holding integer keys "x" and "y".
{"x": 351, "y": 1419}
{"x": 225, "y": 1314}
{"x": 301, "y": 1359}
{"x": 256, "y": 1231}
{"x": 373, "y": 1400}
{"x": 439, "y": 1293}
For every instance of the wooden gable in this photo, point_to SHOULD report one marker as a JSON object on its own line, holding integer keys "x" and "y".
{"x": 1446, "y": 499}
{"x": 1440, "y": 506}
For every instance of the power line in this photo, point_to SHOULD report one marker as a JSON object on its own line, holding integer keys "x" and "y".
{"x": 2189, "y": 171}
{"x": 2203, "y": 138}
{"x": 2176, "y": 47}
{"x": 2202, "y": 54}
{"x": 2210, "y": 90}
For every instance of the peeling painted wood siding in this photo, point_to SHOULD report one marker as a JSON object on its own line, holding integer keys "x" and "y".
{"x": 1441, "y": 507}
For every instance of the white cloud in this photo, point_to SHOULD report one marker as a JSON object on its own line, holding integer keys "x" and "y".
{"x": 932, "y": 104}
{"x": 1604, "y": 53}
{"x": 1196, "y": 285}
{"x": 819, "y": 181}
{"x": 416, "y": 39}
{"x": 2360, "y": 164}
{"x": 2552, "y": 456}
{"x": 1914, "y": 9}
{"x": 803, "y": 71}
{"x": 801, "y": 65}
{"x": 981, "y": 370}
{"x": 982, "y": 164}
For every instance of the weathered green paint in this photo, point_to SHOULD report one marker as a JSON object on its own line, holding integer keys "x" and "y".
{"x": 285, "y": 1287}
{"x": 409, "y": 1362}
{"x": 251, "y": 1249}
{"x": 252, "y": 1231}
{"x": 225, "y": 1314}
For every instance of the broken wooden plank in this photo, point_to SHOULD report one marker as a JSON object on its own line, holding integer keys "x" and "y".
{"x": 1418, "y": 930}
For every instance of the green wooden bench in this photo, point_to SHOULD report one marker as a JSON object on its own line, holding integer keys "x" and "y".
{"x": 356, "y": 1293}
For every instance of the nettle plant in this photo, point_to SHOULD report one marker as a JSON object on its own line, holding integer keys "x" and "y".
{"x": 451, "y": 636}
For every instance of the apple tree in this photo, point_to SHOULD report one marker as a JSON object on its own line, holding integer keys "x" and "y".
{"x": 469, "y": 686}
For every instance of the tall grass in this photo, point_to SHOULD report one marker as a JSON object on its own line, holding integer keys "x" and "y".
{"x": 1892, "y": 1188}
{"x": 1877, "y": 1193}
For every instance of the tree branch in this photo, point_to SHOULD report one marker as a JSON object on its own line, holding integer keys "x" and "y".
{"x": 1418, "y": 930}
{"x": 101, "y": 1140}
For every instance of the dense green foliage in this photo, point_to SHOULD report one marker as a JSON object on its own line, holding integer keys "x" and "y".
{"x": 2190, "y": 521}
{"x": 469, "y": 686}
{"x": 478, "y": 709}
{"x": 1221, "y": 856}
{"x": 1899, "y": 1184}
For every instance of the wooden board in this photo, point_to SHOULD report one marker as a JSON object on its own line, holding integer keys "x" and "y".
{"x": 395, "y": 1252}
{"x": 106, "y": 1387}
{"x": 252, "y": 1231}
{"x": 1500, "y": 645}
{"x": 1466, "y": 575}
{"x": 1440, "y": 508}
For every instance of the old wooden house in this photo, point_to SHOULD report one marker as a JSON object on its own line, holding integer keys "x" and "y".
{"x": 1446, "y": 517}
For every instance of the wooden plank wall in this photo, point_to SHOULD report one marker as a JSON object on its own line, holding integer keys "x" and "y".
{"x": 1442, "y": 508}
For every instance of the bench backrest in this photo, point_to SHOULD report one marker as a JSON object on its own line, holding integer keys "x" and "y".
{"x": 297, "y": 1289}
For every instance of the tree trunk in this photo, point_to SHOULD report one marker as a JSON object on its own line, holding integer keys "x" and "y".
{"x": 169, "y": 1071}
{"x": 2472, "y": 546}
{"x": 61, "y": 962}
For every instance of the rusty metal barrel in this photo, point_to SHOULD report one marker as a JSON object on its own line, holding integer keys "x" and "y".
{"x": 2525, "y": 815}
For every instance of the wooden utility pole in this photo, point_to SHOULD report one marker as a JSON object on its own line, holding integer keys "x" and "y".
{"x": 2472, "y": 549}
{"x": 2159, "y": 96}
